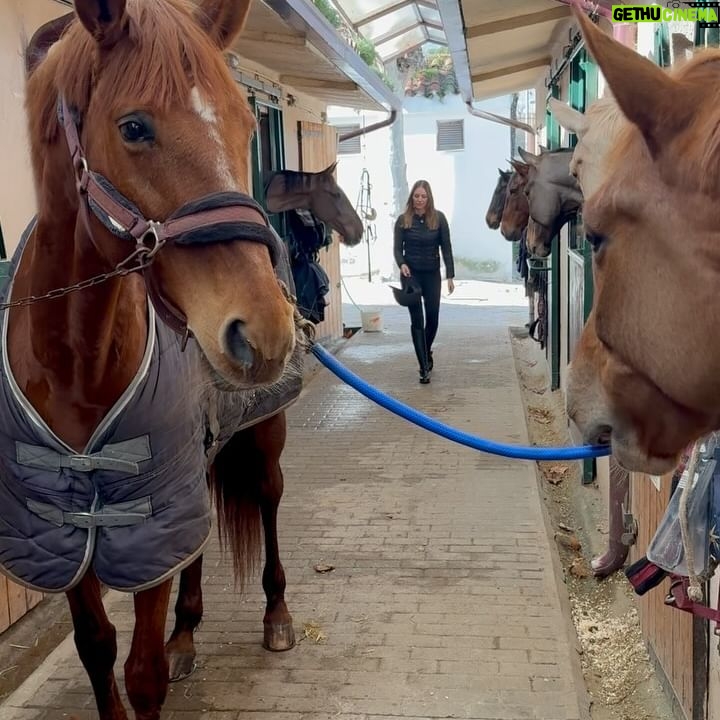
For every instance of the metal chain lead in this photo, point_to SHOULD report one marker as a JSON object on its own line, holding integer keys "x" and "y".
{"x": 145, "y": 254}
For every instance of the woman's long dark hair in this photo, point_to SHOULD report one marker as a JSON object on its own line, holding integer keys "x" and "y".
{"x": 431, "y": 215}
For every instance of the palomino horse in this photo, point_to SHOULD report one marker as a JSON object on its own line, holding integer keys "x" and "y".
{"x": 495, "y": 210}
{"x": 596, "y": 130}
{"x": 553, "y": 196}
{"x": 320, "y": 194}
{"x": 103, "y": 399}
{"x": 644, "y": 375}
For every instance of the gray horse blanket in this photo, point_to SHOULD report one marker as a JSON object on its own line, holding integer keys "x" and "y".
{"x": 134, "y": 505}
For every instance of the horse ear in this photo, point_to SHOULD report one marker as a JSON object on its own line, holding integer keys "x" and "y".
{"x": 520, "y": 168}
{"x": 568, "y": 117}
{"x": 528, "y": 157}
{"x": 222, "y": 20}
{"x": 330, "y": 169}
{"x": 648, "y": 97}
{"x": 43, "y": 39}
{"x": 105, "y": 20}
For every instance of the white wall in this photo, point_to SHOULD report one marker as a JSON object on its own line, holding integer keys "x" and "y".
{"x": 462, "y": 182}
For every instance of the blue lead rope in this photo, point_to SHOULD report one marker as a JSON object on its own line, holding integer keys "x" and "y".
{"x": 519, "y": 452}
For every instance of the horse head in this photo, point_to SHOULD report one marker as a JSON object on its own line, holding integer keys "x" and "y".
{"x": 495, "y": 211}
{"x": 319, "y": 193}
{"x": 553, "y": 196}
{"x": 136, "y": 104}
{"x": 596, "y": 130}
{"x": 644, "y": 373}
{"x": 515, "y": 210}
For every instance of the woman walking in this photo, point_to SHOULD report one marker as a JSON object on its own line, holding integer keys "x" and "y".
{"x": 420, "y": 232}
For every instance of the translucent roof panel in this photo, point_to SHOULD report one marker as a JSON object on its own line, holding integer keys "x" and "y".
{"x": 356, "y": 10}
{"x": 437, "y": 36}
{"x": 395, "y": 22}
{"x": 399, "y": 45}
{"x": 429, "y": 15}
{"x": 394, "y": 26}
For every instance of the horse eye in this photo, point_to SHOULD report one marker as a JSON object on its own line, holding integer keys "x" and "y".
{"x": 596, "y": 240}
{"x": 136, "y": 129}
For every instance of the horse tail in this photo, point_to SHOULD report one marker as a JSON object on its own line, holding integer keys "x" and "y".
{"x": 235, "y": 493}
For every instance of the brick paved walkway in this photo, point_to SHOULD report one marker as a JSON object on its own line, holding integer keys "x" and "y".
{"x": 443, "y": 601}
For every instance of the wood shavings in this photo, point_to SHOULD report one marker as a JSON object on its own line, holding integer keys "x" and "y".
{"x": 314, "y": 632}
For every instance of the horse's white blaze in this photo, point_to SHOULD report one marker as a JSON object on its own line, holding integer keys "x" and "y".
{"x": 206, "y": 112}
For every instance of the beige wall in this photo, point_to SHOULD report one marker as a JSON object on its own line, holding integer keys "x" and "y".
{"x": 18, "y": 19}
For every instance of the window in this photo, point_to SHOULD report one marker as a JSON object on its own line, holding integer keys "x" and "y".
{"x": 662, "y": 45}
{"x": 268, "y": 152}
{"x": 351, "y": 146}
{"x": 450, "y": 135}
{"x": 706, "y": 36}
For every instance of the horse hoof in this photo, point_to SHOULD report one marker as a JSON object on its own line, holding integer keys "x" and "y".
{"x": 607, "y": 564}
{"x": 279, "y": 637}
{"x": 181, "y": 666}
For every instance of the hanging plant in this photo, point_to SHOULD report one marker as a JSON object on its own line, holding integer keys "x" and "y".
{"x": 330, "y": 13}
{"x": 435, "y": 77}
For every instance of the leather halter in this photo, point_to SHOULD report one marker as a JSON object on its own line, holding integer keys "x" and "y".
{"x": 218, "y": 217}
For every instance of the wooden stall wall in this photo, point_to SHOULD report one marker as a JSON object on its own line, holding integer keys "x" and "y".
{"x": 317, "y": 150}
{"x": 15, "y": 601}
{"x": 674, "y": 637}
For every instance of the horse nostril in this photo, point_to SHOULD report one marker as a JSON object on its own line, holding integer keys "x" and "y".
{"x": 237, "y": 346}
{"x": 599, "y": 435}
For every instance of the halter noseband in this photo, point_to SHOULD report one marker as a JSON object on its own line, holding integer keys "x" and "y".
{"x": 218, "y": 217}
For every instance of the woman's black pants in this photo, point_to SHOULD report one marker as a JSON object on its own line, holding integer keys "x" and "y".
{"x": 431, "y": 284}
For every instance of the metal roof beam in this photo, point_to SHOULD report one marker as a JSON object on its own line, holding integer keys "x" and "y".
{"x": 305, "y": 18}
{"x": 414, "y": 46}
{"x": 396, "y": 33}
{"x": 452, "y": 21}
{"x": 518, "y": 21}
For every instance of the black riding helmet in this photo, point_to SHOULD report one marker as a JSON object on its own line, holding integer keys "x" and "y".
{"x": 409, "y": 293}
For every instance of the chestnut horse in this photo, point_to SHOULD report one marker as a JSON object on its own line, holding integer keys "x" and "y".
{"x": 515, "y": 212}
{"x": 644, "y": 375}
{"x": 135, "y": 115}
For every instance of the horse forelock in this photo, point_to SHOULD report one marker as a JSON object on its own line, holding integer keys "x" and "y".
{"x": 164, "y": 54}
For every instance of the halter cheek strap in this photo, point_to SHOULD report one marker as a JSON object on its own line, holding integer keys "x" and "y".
{"x": 218, "y": 217}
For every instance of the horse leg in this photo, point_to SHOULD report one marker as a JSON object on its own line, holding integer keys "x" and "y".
{"x": 257, "y": 451}
{"x": 146, "y": 669}
{"x": 277, "y": 623}
{"x": 96, "y": 643}
{"x": 180, "y": 648}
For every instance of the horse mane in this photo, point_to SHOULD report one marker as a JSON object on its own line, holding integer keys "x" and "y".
{"x": 295, "y": 180}
{"x": 164, "y": 54}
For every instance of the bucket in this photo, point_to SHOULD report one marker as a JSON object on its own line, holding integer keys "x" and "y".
{"x": 371, "y": 320}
